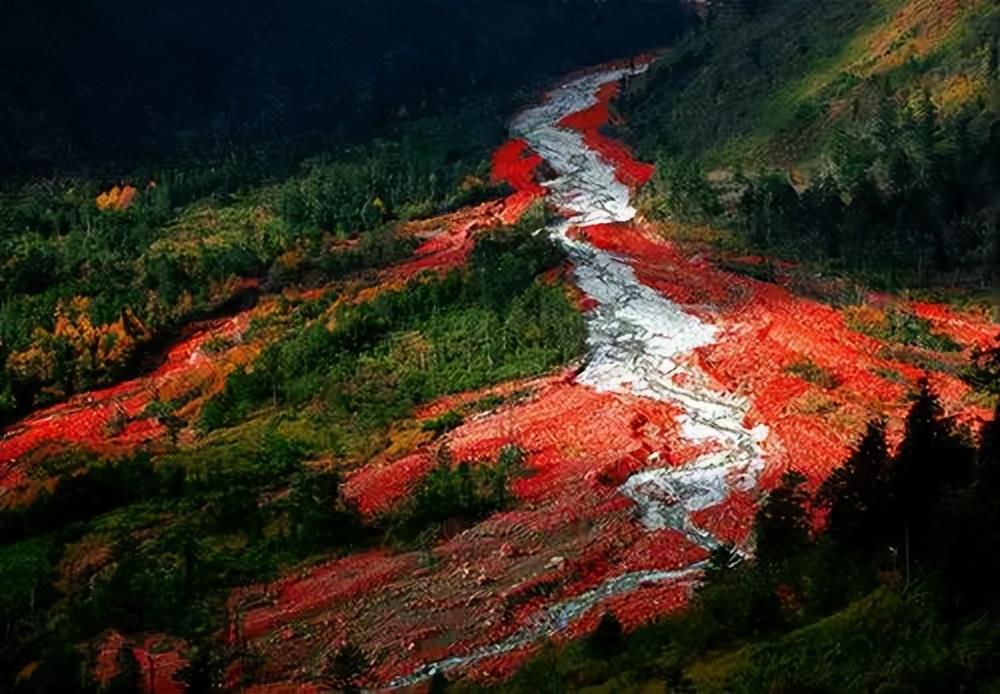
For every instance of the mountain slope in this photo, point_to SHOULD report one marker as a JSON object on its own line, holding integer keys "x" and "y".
{"x": 772, "y": 85}
{"x": 185, "y": 81}
{"x": 860, "y": 135}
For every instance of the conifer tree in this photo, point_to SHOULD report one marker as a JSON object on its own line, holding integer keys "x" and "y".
{"x": 931, "y": 458}
{"x": 857, "y": 495}
{"x": 782, "y": 523}
{"x": 607, "y": 638}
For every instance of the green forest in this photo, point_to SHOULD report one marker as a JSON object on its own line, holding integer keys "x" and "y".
{"x": 240, "y": 507}
{"x": 872, "y": 150}
{"x": 86, "y": 291}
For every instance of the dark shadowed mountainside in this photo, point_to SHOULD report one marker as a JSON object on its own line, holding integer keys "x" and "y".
{"x": 105, "y": 81}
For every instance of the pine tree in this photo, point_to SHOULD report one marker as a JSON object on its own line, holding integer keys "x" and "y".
{"x": 782, "y": 522}
{"x": 969, "y": 521}
{"x": 438, "y": 683}
{"x": 607, "y": 638}
{"x": 857, "y": 495}
{"x": 314, "y": 516}
{"x": 722, "y": 560}
{"x": 931, "y": 458}
{"x": 346, "y": 668}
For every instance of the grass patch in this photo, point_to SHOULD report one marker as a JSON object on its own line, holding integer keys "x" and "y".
{"x": 491, "y": 323}
{"x": 452, "y": 419}
{"x": 900, "y": 328}
{"x": 809, "y": 371}
{"x": 453, "y": 496}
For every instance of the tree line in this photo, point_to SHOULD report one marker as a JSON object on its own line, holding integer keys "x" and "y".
{"x": 902, "y": 197}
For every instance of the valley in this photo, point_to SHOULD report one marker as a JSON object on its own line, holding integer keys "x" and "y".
{"x": 522, "y": 414}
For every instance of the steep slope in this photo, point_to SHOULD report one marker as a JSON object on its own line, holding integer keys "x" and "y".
{"x": 858, "y": 136}
{"x": 770, "y": 82}
{"x": 643, "y": 460}
{"x": 119, "y": 88}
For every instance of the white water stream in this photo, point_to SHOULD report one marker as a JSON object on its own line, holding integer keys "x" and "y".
{"x": 637, "y": 338}
{"x": 637, "y": 342}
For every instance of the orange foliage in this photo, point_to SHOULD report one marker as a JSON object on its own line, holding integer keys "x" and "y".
{"x": 115, "y": 419}
{"x": 36, "y": 363}
{"x": 118, "y": 198}
{"x": 956, "y": 91}
{"x": 866, "y": 319}
{"x": 471, "y": 183}
{"x": 91, "y": 350}
{"x": 915, "y": 31}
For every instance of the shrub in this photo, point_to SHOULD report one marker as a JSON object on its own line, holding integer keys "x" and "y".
{"x": 446, "y": 422}
{"x": 809, "y": 371}
{"x": 607, "y": 638}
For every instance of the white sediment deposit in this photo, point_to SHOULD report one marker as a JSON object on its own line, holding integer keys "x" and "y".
{"x": 639, "y": 340}
{"x": 553, "y": 619}
{"x": 639, "y": 344}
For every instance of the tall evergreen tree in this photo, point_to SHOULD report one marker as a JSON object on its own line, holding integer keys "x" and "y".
{"x": 346, "y": 668}
{"x": 968, "y": 522}
{"x": 857, "y": 495}
{"x": 607, "y": 639}
{"x": 438, "y": 683}
{"x": 931, "y": 458}
{"x": 782, "y": 522}
{"x": 315, "y": 518}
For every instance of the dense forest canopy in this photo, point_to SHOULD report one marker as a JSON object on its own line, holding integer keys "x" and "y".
{"x": 872, "y": 149}
{"x": 106, "y": 81}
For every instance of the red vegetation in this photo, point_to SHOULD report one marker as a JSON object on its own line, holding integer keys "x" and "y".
{"x": 340, "y": 580}
{"x": 113, "y": 419}
{"x": 765, "y": 329}
{"x": 515, "y": 164}
{"x": 590, "y": 121}
{"x": 956, "y": 326}
{"x": 448, "y": 240}
{"x": 375, "y": 488}
{"x": 158, "y": 658}
{"x": 573, "y": 531}
{"x": 553, "y": 564}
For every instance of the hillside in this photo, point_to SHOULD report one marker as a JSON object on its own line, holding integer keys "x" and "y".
{"x": 187, "y": 82}
{"x": 771, "y": 83}
{"x": 480, "y": 400}
{"x": 859, "y": 135}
